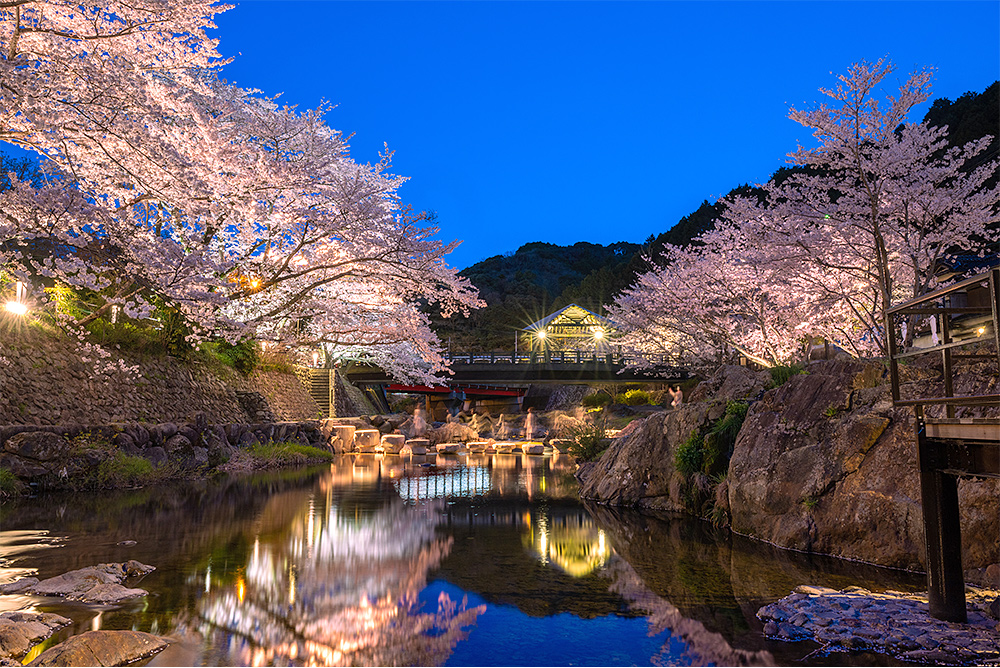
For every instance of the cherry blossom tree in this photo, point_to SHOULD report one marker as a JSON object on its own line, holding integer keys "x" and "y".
{"x": 246, "y": 217}
{"x": 323, "y": 253}
{"x": 876, "y": 204}
{"x": 829, "y": 246}
{"x": 712, "y": 299}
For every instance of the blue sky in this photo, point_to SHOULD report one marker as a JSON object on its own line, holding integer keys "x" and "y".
{"x": 585, "y": 121}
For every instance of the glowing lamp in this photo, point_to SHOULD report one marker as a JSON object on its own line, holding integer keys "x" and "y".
{"x": 981, "y": 331}
{"x": 254, "y": 283}
{"x": 599, "y": 334}
{"x": 17, "y": 308}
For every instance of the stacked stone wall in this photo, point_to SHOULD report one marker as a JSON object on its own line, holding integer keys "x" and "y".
{"x": 47, "y": 380}
{"x": 286, "y": 395}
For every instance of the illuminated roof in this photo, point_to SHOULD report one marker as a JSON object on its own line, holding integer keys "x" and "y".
{"x": 572, "y": 320}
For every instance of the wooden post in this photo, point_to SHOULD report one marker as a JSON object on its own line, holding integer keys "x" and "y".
{"x": 949, "y": 388}
{"x": 942, "y": 534}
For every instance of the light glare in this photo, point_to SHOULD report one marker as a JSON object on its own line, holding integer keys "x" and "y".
{"x": 17, "y": 308}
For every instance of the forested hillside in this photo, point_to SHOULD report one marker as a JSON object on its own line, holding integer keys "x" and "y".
{"x": 525, "y": 285}
{"x": 538, "y": 278}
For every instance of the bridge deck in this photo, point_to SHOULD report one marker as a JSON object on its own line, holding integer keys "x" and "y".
{"x": 505, "y": 373}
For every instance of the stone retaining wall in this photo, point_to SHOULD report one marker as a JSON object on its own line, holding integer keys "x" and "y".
{"x": 46, "y": 380}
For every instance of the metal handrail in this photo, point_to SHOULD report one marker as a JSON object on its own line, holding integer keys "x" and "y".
{"x": 559, "y": 357}
{"x": 942, "y": 315}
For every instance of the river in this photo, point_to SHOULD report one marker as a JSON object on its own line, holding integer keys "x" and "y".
{"x": 473, "y": 560}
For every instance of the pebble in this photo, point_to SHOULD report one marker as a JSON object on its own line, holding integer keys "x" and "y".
{"x": 891, "y": 622}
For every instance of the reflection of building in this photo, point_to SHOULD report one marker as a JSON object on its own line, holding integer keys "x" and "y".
{"x": 571, "y": 541}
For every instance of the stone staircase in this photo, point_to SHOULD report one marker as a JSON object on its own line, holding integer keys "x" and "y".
{"x": 319, "y": 388}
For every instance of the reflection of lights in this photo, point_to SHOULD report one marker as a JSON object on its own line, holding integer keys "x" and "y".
{"x": 95, "y": 623}
{"x": 241, "y": 590}
{"x": 208, "y": 579}
{"x": 575, "y": 545}
{"x": 291, "y": 587}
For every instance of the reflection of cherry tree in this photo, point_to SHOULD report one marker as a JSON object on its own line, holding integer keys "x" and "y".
{"x": 701, "y": 646}
{"x": 342, "y": 590}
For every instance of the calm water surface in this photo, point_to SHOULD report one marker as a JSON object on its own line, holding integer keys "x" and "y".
{"x": 453, "y": 560}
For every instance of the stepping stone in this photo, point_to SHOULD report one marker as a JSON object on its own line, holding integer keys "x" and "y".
{"x": 365, "y": 440}
{"x": 392, "y": 444}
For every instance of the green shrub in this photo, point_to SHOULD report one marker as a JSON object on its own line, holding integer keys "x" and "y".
{"x": 721, "y": 438}
{"x": 634, "y": 398}
{"x": 596, "y": 400}
{"x": 589, "y": 441}
{"x": 123, "y": 470}
{"x": 689, "y": 456}
{"x": 9, "y": 483}
{"x": 781, "y": 374}
{"x": 243, "y": 356}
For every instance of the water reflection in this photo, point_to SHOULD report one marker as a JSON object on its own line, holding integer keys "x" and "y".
{"x": 340, "y": 588}
{"x": 347, "y": 566}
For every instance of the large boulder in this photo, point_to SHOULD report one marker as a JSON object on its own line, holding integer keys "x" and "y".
{"x": 94, "y": 584}
{"x": 101, "y": 648}
{"x": 452, "y": 432}
{"x": 638, "y": 469}
{"x": 825, "y": 464}
{"x": 44, "y": 455}
{"x": 19, "y": 631}
{"x": 730, "y": 382}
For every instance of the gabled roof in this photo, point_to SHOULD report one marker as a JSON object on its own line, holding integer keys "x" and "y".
{"x": 571, "y": 316}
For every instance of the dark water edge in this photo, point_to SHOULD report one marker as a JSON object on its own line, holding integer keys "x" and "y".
{"x": 347, "y": 563}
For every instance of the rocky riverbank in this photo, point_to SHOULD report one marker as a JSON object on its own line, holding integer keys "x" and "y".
{"x": 101, "y": 585}
{"x": 892, "y": 623}
{"x": 822, "y": 464}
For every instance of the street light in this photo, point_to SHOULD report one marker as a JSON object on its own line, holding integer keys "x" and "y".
{"x": 17, "y": 306}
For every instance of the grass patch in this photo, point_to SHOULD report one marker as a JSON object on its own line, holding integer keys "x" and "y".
{"x": 123, "y": 470}
{"x": 690, "y": 455}
{"x": 275, "y": 455}
{"x": 596, "y": 400}
{"x": 781, "y": 374}
{"x": 634, "y": 398}
{"x": 10, "y": 485}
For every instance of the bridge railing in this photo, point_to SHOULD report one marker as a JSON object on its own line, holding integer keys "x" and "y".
{"x": 563, "y": 357}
